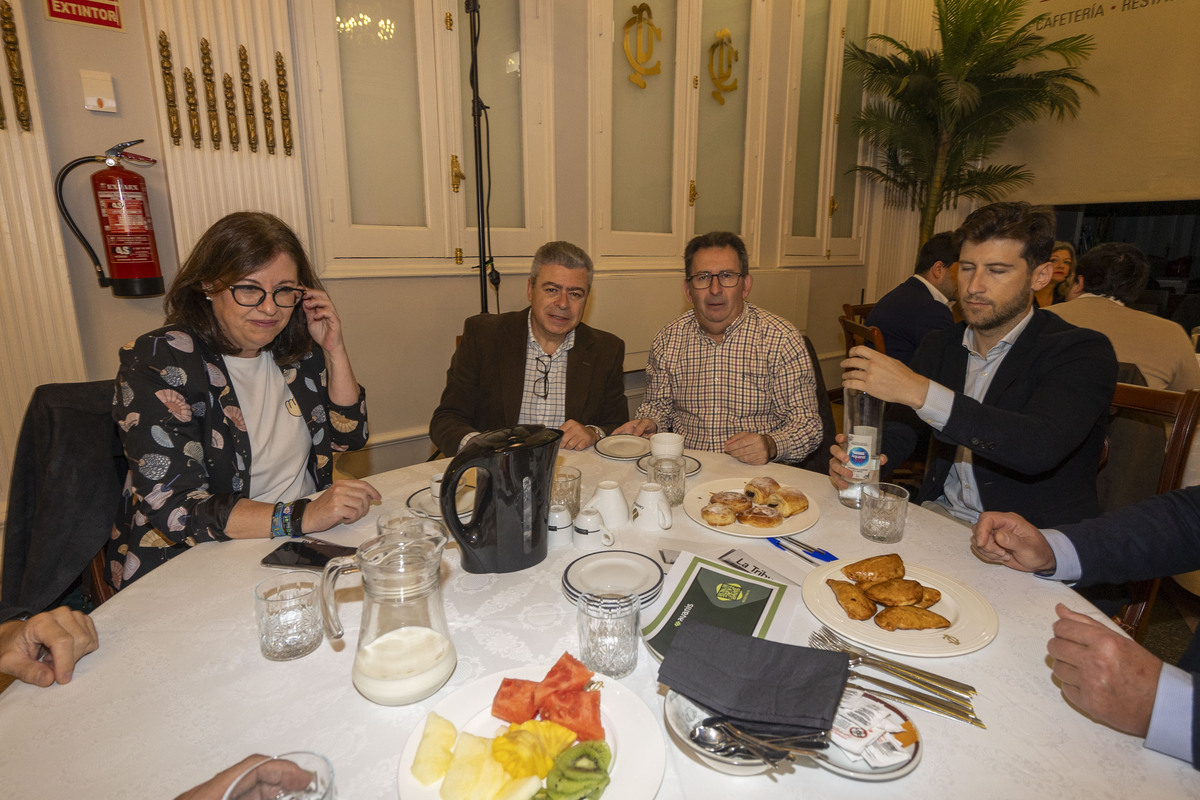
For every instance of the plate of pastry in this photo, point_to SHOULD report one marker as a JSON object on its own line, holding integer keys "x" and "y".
{"x": 755, "y": 508}
{"x": 907, "y": 609}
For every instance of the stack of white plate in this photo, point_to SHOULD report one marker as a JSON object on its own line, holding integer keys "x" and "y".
{"x": 608, "y": 571}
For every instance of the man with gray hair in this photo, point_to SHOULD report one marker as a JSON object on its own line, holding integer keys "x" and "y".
{"x": 541, "y": 365}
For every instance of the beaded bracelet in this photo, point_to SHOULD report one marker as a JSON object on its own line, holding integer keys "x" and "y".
{"x": 277, "y": 522}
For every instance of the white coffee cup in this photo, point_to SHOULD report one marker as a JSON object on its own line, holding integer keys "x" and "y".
{"x": 559, "y": 526}
{"x": 666, "y": 444}
{"x": 611, "y": 504}
{"x": 590, "y": 532}
{"x": 435, "y": 485}
{"x": 651, "y": 511}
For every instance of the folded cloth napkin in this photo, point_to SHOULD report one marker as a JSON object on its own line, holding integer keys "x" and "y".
{"x": 764, "y": 687}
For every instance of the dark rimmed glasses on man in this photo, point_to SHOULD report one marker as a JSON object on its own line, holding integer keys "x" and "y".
{"x": 249, "y": 295}
{"x": 541, "y": 384}
{"x": 702, "y": 280}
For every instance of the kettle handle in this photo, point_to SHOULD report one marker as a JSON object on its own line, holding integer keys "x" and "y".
{"x": 449, "y": 500}
{"x": 329, "y": 612}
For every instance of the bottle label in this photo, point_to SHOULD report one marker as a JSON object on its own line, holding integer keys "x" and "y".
{"x": 862, "y": 460}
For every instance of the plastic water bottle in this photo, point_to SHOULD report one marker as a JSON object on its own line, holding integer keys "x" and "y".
{"x": 864, "y": 428}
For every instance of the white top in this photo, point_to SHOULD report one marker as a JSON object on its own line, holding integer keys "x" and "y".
{"x": 279, "y": 439}
{"x": 933, "y": 290}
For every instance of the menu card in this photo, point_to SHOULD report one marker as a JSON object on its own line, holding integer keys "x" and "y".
{"x": 725, "y": 597}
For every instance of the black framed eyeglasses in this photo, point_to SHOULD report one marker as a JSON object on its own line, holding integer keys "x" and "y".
{"x": 543, "y": 380}
{"x": 702, "y": 280}
{"x": 249, "y": 295}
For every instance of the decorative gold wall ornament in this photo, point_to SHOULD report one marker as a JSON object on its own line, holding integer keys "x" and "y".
{"x": 721, "y": 56}
{"x": 210, "y": 93}
{"x": 268, "y": 116}
{"x": 456, "y": 173}
{"x": 248, "y": 98}
{"x": 168, "y": 77}
{"x": 231, "y": 111}
{"x": 692, "y": 193}
{"x": 285, "y": 115}
{"x": 16, "y": 73}
{"x": 640, "y": 35}
{"x": 458, "y": 255}
{"x": 449, "y": 21}
{"x": 189, "y": 87}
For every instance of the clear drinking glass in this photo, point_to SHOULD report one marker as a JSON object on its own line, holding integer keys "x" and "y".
{"x": 565, "y": 490}
{"x": 668, "y": 472}
{"x": 608, "y": 632}
{"x": 883, "y": 511}
{"x": 291, "y": 776}
{"x": 289, "y": 617}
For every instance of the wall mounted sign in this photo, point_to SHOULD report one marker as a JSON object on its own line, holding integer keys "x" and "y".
{"x": 96, "y": 13}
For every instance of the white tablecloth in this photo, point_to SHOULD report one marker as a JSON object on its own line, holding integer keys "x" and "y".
{"x": 178, "y": 689}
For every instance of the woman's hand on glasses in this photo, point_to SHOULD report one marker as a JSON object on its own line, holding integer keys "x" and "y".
{"x": 324, "y": 325}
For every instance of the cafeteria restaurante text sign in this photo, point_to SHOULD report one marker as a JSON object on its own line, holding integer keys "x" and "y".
{"x": 97, "y": 13}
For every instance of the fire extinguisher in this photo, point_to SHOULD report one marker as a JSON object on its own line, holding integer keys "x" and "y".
{"x": 124, "y": 209}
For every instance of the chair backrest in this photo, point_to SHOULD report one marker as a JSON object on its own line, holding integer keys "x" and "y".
{"x": 67, "y": 477}
{"x": 818, "y": 460}
{"x": 857, "y": 333}
{"x": 858, "y": 313}
{"x": 1149, "y": 410}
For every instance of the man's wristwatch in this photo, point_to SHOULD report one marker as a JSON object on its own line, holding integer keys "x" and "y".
{"x": 598, "y": 431}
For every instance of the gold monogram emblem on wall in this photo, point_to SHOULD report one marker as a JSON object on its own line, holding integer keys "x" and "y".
{"x": 640, "y": 35}
{"x": 721, "y": 56}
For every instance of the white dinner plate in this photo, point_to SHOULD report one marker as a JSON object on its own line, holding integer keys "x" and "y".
{"x": 423, "y": 503}
{"x": 697, "y": 498}
{"x": 973, "y": 621}
{"x": 632, "y": 732}
{"x": 691, "y": 465}
{"x": 610, "y": 570}
{"x": 682, "y": 714}
{"x": 623, "y": 447}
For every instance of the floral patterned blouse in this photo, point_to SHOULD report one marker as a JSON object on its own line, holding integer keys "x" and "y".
{"x": 188, "y": 449}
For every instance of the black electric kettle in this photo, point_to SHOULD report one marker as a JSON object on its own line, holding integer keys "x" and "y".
{"x": 514, "y": 468}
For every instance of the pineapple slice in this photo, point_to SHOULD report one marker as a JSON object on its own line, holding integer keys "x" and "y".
{"x": 434, "y": 750}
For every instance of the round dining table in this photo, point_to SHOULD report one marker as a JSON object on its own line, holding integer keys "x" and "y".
{"x": 178, "y": 689}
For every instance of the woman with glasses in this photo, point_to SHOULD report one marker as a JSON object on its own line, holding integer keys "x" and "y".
{"x": 230, "y": 414}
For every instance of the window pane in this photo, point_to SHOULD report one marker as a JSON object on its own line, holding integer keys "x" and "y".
{"x": 381, "y": 109}
{"x": 724, "y": 86}
{"x": 643, "y": 101}
{"x": 805, "y": 200}
{"x": 500, "y": 91}
{"x": 846, "y": 155}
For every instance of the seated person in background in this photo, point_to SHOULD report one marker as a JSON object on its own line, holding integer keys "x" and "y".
{"x": 921, "y": 304}
{"x": 1017, "y": 398}
{"x": 728, "y": 375}
{"x": 540, "y": 366}
{"x": 1062, "y": 278}
{"x": 1106, "y": 674}
{"x": 42, "y": 649}
{"x": 1114, "y": 274}
{"x": 231, "y": 413}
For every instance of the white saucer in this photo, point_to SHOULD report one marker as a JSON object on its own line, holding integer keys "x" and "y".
{"x": 610, "y": 570}
{"x": 691, "y": 466}
{"x": 423, "y": 504}
{"x": 623, "y": 447}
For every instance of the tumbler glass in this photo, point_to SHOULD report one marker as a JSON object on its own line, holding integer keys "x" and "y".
{"x": 608, "y": 632}
{"x": 565, "y": 490}
{"x": 289, "y": 615}
{"x": 668, "y": 472}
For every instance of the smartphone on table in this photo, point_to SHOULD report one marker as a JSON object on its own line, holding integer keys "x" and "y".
{"x": 305, "y": 554}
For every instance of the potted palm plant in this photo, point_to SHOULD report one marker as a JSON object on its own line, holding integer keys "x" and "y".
{"x": 934, "y": 116}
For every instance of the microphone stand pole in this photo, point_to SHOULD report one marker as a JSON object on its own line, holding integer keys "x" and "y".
{"x": 477, "y": 107}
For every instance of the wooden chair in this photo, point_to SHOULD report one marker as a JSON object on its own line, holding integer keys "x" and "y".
{"x": 856, "y": 333}
{"x": 858, "y": 313}
{"x": 1181, "y": 410}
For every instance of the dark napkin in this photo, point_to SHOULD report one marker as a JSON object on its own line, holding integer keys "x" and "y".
{"x": 767, "y": 687}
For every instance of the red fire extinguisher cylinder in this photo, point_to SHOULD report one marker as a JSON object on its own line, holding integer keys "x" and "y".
{"x": 123, "y": 207}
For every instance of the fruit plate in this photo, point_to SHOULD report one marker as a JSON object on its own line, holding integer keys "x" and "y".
{"x": 973, "y": 621}
{"x": 633, "y": 733}
{"x": 697, "y": 498}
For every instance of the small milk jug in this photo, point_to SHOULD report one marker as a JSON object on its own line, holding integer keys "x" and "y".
{"x": 404, "y": 650}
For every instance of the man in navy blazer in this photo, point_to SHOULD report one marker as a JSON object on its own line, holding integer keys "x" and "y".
{"x": 1016, "y": 397}
{"x": 1109, "y": 676}
{"x": 920, "y": 305}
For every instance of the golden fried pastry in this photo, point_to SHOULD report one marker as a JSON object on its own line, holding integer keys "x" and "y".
{"x": 875, "y": 568}
{"x": 896, "y": 592}
{"x": 759, "y": 489}
{"x": 852, "y": 600}
{"x": 929, "y": 596}
{"x": 761, "y": 517}
{"x": 717, "y": 514}
{"x": 789, "y": 501}
{"x": 735, "y": 500}
{"x": 910, "y": 618}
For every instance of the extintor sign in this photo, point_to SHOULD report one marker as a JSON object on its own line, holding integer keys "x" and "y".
{"x": 94, "y": 13}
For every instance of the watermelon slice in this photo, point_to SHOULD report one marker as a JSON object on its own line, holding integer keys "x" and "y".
{"x": 514, "y": 701}
{"x": 568, "y": 674}
{"x": 576, "y": 710}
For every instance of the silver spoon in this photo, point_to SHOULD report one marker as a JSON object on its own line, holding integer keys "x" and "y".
{"x": 719, "y": 741}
